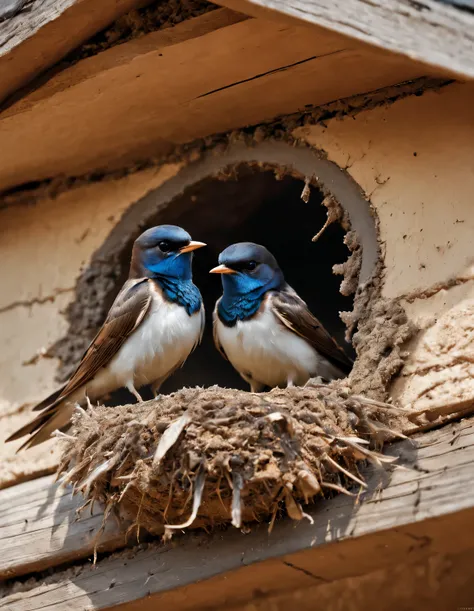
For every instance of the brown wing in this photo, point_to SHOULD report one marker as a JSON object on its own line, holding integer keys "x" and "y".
{"x": 294, "y": 314}
{"x": 126, "y": 313}
{"x": 214, "y": 332}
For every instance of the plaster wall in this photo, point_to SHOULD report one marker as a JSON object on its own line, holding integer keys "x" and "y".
{"x": 414, "y": 160}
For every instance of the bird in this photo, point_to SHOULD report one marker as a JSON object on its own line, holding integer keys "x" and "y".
{"x": 264, "y": 328}
{"x": 155, "y": 322}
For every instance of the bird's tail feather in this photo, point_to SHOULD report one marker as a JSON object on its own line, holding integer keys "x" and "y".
{"x": 44, "y": 424}
{"x": 28, "y": 428}
{"x": 49, "y": 400}
{"x": 48, "y": 406}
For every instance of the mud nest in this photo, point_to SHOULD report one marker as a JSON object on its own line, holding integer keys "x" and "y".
{"x": 208, "y": 457}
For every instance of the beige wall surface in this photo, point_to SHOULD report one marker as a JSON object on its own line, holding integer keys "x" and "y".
{"x": 414, "y": 160}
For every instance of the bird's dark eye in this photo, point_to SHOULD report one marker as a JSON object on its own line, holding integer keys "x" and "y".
{"x": 251, "y": 265}
{"x": 164, "y": 246}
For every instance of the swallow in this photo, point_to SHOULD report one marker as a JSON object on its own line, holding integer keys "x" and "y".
{"x": 265, "y": 329}
{"x": 154, "y": 324}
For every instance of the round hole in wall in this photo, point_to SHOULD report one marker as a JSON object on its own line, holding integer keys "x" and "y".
{"x": 231, "y": 199}
{"x": 255, "y": 206}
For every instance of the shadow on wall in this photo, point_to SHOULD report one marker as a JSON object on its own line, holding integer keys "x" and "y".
{"x": 253, "y": 205}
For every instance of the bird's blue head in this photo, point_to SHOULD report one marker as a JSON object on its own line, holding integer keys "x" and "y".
{"x": 248, "y": 272}
{"x": 164, "y": 251}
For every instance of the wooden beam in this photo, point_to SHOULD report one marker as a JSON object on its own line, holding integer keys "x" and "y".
{"x": 424, "y": 509}
{"x": 122, "y": 55}
{"x": 35, "y": 35}
{"x": 439, "y": 581}
{"x": 438, "y": 35}
{"x": 210, "y": 74}
{"x": 39, "y": 528}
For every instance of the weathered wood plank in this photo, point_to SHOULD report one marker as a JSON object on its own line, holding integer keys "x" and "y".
{"x": 35, "y": 35}
{"x": 39, "y": 528}
{"x": 431, "y": 32}
{"x": 437, "y": 582}
{"x": 123, "y": 54}
{"x": 222, "y": 574}
{"x": 204, "y": 76}
{"x": 424, "y": 509}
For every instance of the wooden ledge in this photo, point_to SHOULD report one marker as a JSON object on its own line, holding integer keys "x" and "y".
{"x": 423, "y": 511}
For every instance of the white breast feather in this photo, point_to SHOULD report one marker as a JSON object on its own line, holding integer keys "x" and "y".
{"x": 272, "y": 354}
{"x": 162, "y": 342}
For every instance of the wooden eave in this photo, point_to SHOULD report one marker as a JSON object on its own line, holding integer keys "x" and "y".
{"x": 437, "y": 33}
{"x": 217, "y": 72}
{"x": 35, "y": 35}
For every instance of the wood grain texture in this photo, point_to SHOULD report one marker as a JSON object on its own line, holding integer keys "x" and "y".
{"x": 207, "y": 75}
{"x": 35, "y": 35}
{"x": 424, "y": 509}
{"x": 439, "y": 35}
{"x": 39, "y": 528}
{"x": 437, "y": 582}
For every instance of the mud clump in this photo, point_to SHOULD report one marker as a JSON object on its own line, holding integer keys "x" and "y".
{"x": 155, "y": 16}
{"x": 200, "y": 458}
{"x": 383, "y": 328}
{"x": 350, "y": 269}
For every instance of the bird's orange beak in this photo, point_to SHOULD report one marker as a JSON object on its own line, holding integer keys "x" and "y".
{"x": 193, "y": 245}
{"x": 222, "y": 269}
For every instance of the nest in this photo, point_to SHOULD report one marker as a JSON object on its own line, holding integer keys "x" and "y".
{"x": 206, "y": 457}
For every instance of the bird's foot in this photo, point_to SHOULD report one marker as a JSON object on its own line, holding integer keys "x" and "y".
{"x": 155, "y": 389}
{"x": 135, "y": 392}
{"x": 90, "y": 407}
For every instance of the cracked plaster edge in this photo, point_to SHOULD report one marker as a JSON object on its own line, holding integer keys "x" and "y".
{"x": 302, "y": 161}
{"x": 28, "y": 303}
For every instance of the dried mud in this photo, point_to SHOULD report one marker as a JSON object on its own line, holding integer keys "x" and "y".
{"x": 138, "y": 22}
{"x": 205, "y": 457}
{"x": 350, "y": 269}
{"x": 383, "y": 329}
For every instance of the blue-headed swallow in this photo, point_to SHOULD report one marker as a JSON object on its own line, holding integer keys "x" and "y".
{"x": 265, "y": 329}
{"x": 152, "y": 327}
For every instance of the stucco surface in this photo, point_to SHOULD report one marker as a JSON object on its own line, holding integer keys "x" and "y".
{"x": 440, "y": 370}
{"x": 414, "y": 161}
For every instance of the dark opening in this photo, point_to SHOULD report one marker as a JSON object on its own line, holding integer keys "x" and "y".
{"x": 254, "y": 205}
